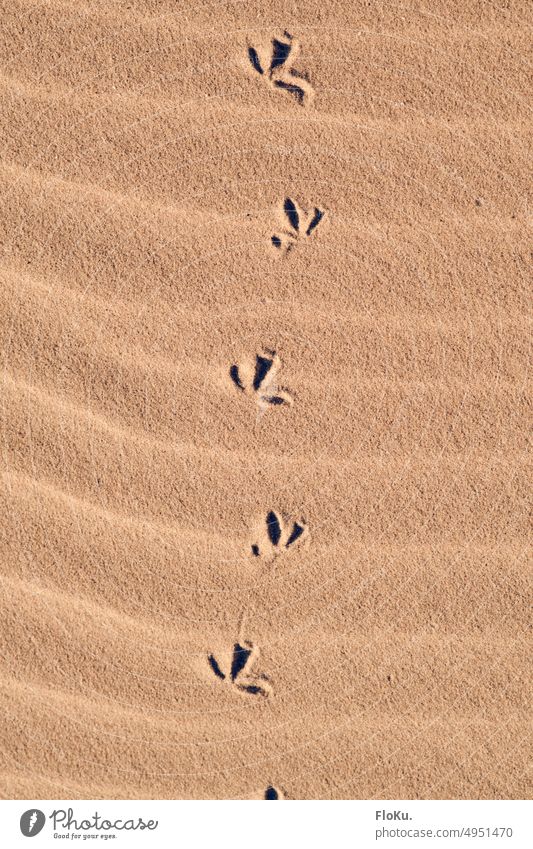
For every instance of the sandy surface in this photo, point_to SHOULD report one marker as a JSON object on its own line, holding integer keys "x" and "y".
{"x": 263, "y": 399}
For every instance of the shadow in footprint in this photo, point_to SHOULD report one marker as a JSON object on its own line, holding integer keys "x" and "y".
{"x": 215, "y": 667}
{"x": 275, "y": 63}
{"x": 291, "y": 211}
{"x": 315, "y": 221}
{"x": 240, "y": 658}
{"x": 254, "y": 59}
{"x": 296, "y": 533}
{"x": 273, "y": 528}
{"x": 234, "y": 374}
{"x": 280, "y": 52}
{"x": 272, "y": 793}
{"x": 262, "y": 368}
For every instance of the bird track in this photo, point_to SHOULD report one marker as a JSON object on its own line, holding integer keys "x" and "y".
{"x": 275, "y": 536}
{"x": 256, "y": 377}
{"x": 297, "y": 224}
{"x": 238, "y": 672}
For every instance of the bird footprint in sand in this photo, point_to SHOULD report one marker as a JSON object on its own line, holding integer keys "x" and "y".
{"x": 275, "y": 64}
{"x": 273, "y": 793}
{"x": 239, "y": 672}
{"x": 276, "y": 536}
{"x": 297, "y": 223}
{"x": 258, "y": 379}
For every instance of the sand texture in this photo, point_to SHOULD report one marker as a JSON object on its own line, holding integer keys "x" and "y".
{"x": 264, "y": 280}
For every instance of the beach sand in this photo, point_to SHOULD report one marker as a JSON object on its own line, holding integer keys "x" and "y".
{"x": 264, "y": 281}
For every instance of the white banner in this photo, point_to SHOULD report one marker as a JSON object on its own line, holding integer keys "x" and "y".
{"x": 198, "y": 824}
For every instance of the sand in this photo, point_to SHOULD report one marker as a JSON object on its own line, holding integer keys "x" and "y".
{"x": 264, "y": 335}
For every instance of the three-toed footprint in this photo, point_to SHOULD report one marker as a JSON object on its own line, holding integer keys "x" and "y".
{"x": 274, "y": 62}
{"x": 237, "y": 670}
{"x": 296, "y": 223}
{"x": 256, "y": 376}
{"x": 273, "y": 793}
{"x": 275, "y": 535}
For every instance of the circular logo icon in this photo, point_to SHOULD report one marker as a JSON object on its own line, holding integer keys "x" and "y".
{"x": 32, "y": 822}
